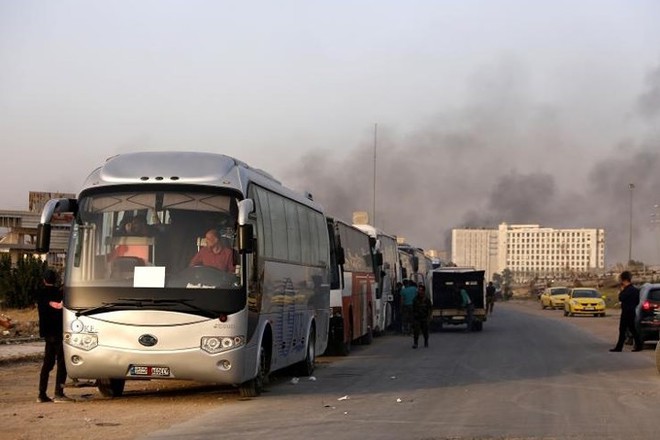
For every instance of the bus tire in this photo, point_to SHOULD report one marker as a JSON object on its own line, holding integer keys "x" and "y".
{"x": 306, "y": 366}
{"x": 477, "y": 326}
{"x": 344, "y": 347}
{"x": 111, "y": 387}
{"x": 254, "y": 387}
{"x": 368, "y": 337}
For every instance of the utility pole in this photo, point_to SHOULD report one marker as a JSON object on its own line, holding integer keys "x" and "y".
{"x": 631, "y": 187}
{"x": 373, "y": 210}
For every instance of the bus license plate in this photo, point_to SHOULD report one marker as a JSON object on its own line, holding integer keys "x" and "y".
{"x": 149, "y": 371}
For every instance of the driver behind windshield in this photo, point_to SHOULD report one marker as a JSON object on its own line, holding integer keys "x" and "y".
{"x": 217, "y": 253}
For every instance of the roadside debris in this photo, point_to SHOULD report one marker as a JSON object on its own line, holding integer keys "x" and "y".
{"x": 343, "y": 398}
{"x": 5, "y": 322}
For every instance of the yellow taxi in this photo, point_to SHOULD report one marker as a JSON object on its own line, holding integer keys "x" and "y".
{"x": 584, "y": 301}
{"x": 554, "y": 297}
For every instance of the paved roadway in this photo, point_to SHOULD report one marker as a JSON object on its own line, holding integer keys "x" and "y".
{"x": 526, "y": 376}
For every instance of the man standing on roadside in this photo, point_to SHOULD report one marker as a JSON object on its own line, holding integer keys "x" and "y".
{"x": 49, "y": 303}
{"x": 629, "y": 298}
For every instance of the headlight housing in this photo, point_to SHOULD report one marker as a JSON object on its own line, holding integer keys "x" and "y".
{"x": 218, "y": 344}
{"x": 84, "y": 341}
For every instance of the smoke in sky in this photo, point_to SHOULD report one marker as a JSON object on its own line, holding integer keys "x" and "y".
{"x": 501, "y": 158}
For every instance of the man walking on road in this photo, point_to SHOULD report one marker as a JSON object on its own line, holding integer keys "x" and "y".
{"x": 629, "y": 298}
{"x": 490, "y": 297}
{"x": 422, "y": 309}
{"x": 466, "y": 303}
{"x": 408, "y": 294}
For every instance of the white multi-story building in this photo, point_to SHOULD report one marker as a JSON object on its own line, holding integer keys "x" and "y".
{"x": 530, "y": 250}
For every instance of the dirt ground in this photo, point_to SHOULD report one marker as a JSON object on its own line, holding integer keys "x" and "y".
{"x": 145, "y": 407}
{"x": 148, "y": 406}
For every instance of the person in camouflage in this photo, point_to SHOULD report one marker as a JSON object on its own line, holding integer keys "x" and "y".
{"x": 422, "y": 310}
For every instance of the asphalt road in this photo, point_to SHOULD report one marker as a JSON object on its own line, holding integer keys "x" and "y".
{"x": 536, "y": 375}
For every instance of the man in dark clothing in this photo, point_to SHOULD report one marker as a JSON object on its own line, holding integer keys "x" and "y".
{"x": 422, "y": 310}
{"x": 629, "y": 298}
{"x": 49, "y": 303}
{"x": 396, "y": 307}
{"x": 490, "y": 297}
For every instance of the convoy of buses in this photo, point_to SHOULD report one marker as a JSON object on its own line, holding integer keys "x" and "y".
{"x": 303, "y": 283}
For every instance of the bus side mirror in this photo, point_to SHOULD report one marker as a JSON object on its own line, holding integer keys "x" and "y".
{"x": 378, "y": 259}
{"x": 415, "y": 264}
{"x": 341, "y": 259}
{"x": 43, "y": 238}
{"x": 245, "y": 239}
{"x": 245, "y": 207}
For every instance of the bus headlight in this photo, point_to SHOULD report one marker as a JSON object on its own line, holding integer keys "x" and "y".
{"x": 83, "y": 341}
{"x": 218, "y": 344}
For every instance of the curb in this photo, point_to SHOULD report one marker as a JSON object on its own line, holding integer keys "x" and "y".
{"x": 21, "y": 358}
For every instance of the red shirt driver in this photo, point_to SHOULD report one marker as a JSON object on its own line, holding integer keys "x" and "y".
{"x": 214, "y": 254}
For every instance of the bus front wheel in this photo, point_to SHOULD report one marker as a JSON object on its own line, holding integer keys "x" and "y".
{"x": 111, "y": 387}
{"x": 306, "y": 367}
{"x": 254, "y": 387}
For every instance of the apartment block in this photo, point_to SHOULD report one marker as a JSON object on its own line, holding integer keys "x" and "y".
{"x": 530, "y": 250}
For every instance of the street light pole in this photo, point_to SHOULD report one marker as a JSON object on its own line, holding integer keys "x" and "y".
{"x": 631, "y": 187}
{"x": 373, "y": 211}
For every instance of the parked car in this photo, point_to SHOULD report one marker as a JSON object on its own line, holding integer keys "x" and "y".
{"x": 554, "y": 297}
{"x": 647, "y": 314}
{"x": 584, "y": 301}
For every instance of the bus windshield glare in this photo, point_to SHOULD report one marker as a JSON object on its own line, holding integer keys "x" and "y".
{"x": 155, "y": 240}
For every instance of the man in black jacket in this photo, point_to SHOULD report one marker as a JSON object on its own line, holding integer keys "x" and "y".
{"x": 629, "y": 298}
{"x": 49, "y": 303}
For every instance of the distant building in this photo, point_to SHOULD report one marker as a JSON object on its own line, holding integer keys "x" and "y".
{"x": 21, "y": 230}
{"x": 530, "y": 250}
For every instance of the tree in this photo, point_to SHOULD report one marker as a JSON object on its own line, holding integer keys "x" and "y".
{"x": 504, "y": 281}
{"x": 507, "y": 282}
{"x": 19, "y": 284}
{"x": 5, "y": 277}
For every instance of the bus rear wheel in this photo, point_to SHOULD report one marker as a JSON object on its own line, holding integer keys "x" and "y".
{"x": 111, "y": 387}
{"x": 344, "y": 347}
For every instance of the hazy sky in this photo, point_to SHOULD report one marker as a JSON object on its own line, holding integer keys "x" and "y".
{"x": 487, "y": 111}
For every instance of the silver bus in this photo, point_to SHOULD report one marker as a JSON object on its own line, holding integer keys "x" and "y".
{"x": 388, "y": 273}
{"x": 225, "y": 279}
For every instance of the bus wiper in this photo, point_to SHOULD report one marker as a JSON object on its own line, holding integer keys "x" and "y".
{"x": 185, "y": 302}
{"x": 142, "y": 302}
{"x": 108, "y": 306}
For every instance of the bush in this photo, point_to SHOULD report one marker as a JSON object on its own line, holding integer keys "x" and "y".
{"x": 19, "y": 284}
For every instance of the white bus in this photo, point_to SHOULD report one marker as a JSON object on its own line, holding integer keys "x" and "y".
{"x": 136, "y": 308}
{"x": 388, "y": 269}
{"x": 416, "y": 266}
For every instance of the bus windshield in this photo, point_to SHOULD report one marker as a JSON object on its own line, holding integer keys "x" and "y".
{"x": 155, "y": 240}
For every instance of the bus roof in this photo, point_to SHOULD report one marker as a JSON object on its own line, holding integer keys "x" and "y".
{"x": 186, "y": 168}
